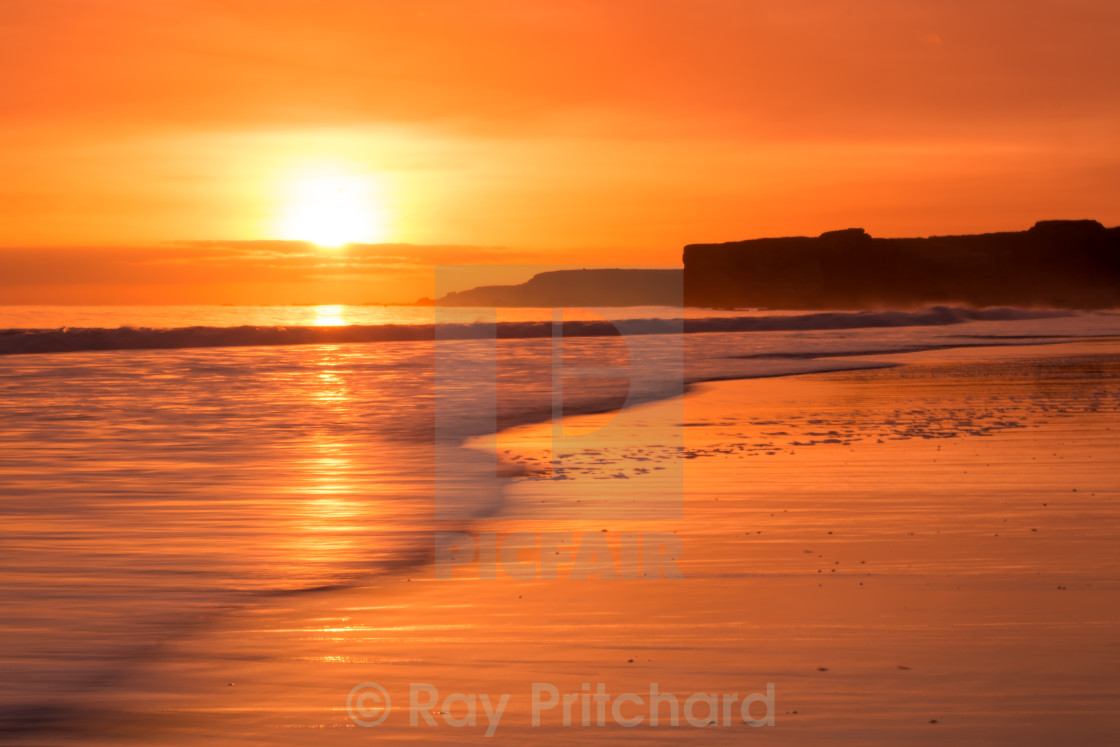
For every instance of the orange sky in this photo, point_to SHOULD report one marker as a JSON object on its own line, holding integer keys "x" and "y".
{"x": 134, "y": 131}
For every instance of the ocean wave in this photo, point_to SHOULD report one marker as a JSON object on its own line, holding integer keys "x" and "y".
{"x": 86, "y": 339}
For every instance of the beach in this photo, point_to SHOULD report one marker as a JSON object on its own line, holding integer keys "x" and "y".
{"x": 916, "y": 554}
{"x": 541, "y": 372}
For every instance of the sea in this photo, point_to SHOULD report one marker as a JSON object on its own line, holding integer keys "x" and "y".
{"x": 161, "y": 466}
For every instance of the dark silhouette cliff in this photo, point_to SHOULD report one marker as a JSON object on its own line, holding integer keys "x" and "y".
{"x": 612, "y": 287}
{"x": 1056, "y": 263}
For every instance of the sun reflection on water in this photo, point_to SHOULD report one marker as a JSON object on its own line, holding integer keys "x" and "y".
{"x": 330, "y": 316}
{"x": 329, "y": 521}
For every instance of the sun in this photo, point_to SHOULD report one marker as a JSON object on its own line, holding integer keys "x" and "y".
{"x": 332, "y": 209}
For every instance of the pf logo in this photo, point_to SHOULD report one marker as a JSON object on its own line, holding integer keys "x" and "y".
{"x": 574, "y": 410}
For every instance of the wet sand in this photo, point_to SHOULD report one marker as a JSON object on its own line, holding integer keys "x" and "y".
{"x": 918, "y": 554}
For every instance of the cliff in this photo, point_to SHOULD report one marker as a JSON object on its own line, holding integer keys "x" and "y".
{"x": 1055, "y": 263}
{"x": 612, "y": 287}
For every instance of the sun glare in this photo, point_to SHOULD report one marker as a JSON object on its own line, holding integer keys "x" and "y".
{"x": 332, "y": 209}
{"x": 329, "y": 316}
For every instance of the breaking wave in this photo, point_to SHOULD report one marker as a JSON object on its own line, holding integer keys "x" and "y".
{"x": 84, "y": 339}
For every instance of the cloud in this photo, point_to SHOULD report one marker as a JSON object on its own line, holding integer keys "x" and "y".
{"x": 241, "y": 272}
{"x": 211, "y": 261}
